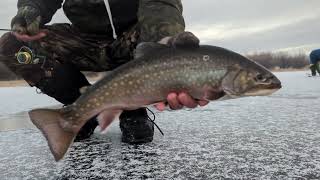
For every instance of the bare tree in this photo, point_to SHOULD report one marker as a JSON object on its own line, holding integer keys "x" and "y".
{"x": 280, "y": 60}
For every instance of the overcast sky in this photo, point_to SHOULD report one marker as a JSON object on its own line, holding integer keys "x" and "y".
{"x": 244, "y": 26}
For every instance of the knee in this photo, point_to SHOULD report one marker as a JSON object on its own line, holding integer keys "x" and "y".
{"x": 63, "y": 84}
{"x": 9, "y": 45}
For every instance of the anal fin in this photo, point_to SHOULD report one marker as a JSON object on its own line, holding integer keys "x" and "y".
{"x": 106, "y": 117}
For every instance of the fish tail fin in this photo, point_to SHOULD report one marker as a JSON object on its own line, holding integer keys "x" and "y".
{"x": 48, "y": 121}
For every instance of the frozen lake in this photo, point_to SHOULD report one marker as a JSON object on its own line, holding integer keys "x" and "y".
{"x": 275, "y": 137}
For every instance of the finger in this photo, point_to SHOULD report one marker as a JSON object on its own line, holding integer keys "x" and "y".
{"x": 160, "y": 106}
{"x": 203, "y": 102}
{"x": 187, "y": 100}
{"x": 174, "y": 102}
{"x": 27, "y": 38}
{"x": 186, "y": 39}
{"x": 19, "y": 29}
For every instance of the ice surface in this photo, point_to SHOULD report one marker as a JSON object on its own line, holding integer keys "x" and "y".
{"x": 18, "y": 99}
{"x": 275, "y": 137}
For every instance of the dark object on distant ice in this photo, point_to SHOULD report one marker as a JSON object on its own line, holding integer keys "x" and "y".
{"x": 206, "y": 73}
{"x": 315, "y": 62}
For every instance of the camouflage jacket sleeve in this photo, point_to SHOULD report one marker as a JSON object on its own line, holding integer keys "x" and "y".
{"x": 160, "y": 18}
{"x": 47, "y": 7}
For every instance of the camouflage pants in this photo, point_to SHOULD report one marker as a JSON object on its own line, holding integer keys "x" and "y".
{"x": 66, "y": 49}
{"x": 64, "y": 44}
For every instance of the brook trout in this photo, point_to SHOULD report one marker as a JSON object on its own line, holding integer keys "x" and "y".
{"x": 203, "y": 72}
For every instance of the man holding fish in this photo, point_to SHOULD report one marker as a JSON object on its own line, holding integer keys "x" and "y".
{"x": 103, "y": 35}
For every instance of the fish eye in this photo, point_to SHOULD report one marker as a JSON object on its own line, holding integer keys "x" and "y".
{"x": 260, "y": 77}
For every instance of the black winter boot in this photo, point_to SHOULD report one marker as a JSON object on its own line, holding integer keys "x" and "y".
{"x": 136, "y": 127}
{"x": 87, "y": 130}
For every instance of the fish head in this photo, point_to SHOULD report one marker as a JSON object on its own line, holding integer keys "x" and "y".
{"x": 248, "y": 78}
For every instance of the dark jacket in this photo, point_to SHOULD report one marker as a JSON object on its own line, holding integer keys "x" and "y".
{"x": 315, "y": 56}
{"x": 90, "y": 16}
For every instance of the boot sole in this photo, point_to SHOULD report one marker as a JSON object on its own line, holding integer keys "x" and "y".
{"x": 136, "y": 141}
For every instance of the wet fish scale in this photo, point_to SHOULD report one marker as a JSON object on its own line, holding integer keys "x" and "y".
{"x": 179, "y": 70}
{"x": 180, "y": 74}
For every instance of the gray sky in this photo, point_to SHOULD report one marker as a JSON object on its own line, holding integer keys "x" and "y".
{"x": 241, "y": 25}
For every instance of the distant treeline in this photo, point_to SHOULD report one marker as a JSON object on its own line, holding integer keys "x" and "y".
{"x": 276, "y": 61}
{"x": 272, "y": 61}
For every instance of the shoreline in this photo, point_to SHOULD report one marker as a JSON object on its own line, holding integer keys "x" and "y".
{"x": 289, "y": 70}
{"x": 13, "y": 83}
{"x": 22, "y": 83}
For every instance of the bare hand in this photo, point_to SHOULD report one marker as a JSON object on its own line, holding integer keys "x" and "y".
{"x": 28, "y": 38}
{"x": 182, "y": 40}
{"x": 26, "y": 24}
{"x": 178, "y": 101}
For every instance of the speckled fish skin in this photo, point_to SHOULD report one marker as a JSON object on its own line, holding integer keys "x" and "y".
{"x": 204, "y": 73}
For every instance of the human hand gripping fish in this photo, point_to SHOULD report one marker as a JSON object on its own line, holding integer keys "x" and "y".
{"x": 204, "y": 73}
{"x": 179, "y": 100}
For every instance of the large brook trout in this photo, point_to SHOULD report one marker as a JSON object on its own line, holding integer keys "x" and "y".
{"x": 204, "y": 73}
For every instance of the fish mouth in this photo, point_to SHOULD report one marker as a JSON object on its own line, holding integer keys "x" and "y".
{"x": 229, "y": 94}
{"x": 264, "y": 89}
{"x": 260, "y": 90}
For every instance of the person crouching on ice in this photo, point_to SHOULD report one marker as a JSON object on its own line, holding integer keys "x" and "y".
{"x": 102, "y": 36}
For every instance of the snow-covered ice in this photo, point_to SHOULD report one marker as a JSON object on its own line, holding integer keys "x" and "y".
{"x": 275, "y": 137}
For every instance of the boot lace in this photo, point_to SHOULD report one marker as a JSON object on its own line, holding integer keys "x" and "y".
{"x": 153, "y": 119}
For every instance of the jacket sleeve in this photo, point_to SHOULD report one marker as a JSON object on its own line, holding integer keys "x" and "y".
{"x": 159, "y": 18}
{"x": 47, "y": 7}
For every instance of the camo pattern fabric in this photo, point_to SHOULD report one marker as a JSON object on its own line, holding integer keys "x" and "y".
{"x": 159, "y": 19}
{"x": 9, "y": 46}
{"x": 47, "y": 7}
{"x": 27, "y": 20}
{"x": 65, "y": 43}
{"x": 88, "y": 52}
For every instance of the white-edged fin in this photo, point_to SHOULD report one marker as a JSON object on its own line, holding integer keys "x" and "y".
{"x": 106, "y": 117}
